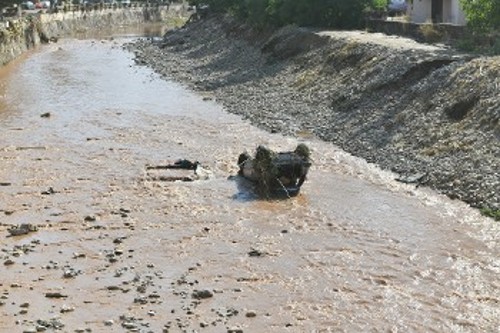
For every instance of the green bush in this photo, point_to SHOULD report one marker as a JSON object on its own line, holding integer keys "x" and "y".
{"x": 466, "y": 44}
{"x": 379, "y": 4}
{"x": 341, "y": 14}
{"x": 430, "y": 33}
{"x": 495, "y": 49}
{"x": 482, "y": 16}
{"x": 495, "y": 214}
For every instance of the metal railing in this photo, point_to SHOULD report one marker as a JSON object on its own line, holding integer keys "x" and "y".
{"x": 16, "y": 11}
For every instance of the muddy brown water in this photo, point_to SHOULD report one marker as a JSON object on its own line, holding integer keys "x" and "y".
{"x": 354, "y": 252}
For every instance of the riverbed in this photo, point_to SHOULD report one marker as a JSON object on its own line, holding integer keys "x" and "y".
{"x": 120, "y": 247}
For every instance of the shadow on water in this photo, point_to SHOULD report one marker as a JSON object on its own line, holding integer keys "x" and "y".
{"x": 248, "y": 191}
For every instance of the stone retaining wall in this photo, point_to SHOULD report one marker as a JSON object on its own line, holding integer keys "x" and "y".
{"x": 20, "y": 34}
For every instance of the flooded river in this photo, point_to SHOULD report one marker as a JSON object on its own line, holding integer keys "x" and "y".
{"x": 118, "y": 248}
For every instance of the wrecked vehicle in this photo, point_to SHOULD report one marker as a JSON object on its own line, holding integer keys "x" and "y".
{"x": 276, "y": 173}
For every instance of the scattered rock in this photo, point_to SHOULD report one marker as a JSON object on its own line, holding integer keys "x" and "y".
{"x": 22, "y": 229}
{"x": 31, "y": 330}
{"x": 90, "y": 218}
{"x": 129, "y": 325}
{"x": 79, "y": 255}
{"x": 202, "y": 294}
{"x": 413, "y": 178}
{"x": 235, "y": 330}
{"x": 118, "y": 240}
{"x": 49, "y": 191}
{"x": 227, "y": 312}
{"x": 251, "y": 314}
{"x": 9, "y": 262}
{"x": 53, "y": 323}
{"x": 71, "y": 273}
{"x": 113, "y": 288}
{"x": 256, "y": 253}
{"x": 55, "y": 295}
{"x": 109, "y": 322}
{"x": 141, "y": 300}
{"x": 66, "y": 308}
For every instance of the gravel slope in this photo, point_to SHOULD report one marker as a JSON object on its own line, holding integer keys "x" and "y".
{"x": 423, "y": 111}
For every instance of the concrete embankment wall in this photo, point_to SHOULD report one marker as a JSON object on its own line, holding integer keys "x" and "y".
{"x": 17, "y": 35}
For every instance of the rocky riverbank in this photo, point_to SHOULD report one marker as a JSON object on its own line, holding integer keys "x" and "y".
{"x": 425, "y": 112}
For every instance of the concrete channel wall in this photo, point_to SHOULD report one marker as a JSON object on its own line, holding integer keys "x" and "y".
{"x": 19, "y": 34}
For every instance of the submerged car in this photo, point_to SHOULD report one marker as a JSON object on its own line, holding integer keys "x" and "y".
{"x": 276, "y": 174}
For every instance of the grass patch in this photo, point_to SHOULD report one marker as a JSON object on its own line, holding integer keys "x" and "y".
{"x": 175, "y": 21}
{"x": 305, "y": 79}
{"x": 431, "y": 33}
{"x": 488, "y": 44}
{"x": 493, "y": 213}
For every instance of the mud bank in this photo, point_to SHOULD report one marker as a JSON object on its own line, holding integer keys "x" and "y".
{"x": 425, "y": 112}
{"x": 21, "y": 34}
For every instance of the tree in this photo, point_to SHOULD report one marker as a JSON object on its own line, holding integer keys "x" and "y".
{"x": 482, "y": 15}
{"x": 339, "y": 14}
{"x": 379, "y": 4}
{"x": 7, "y": 3}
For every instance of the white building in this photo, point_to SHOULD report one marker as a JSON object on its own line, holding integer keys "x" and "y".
{"x": 436, "y": 11}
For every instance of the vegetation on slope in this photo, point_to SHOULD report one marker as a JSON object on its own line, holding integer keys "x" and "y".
{"x": 338, "y": 14}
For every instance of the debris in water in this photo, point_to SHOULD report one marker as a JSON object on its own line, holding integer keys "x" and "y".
{"x": 179, "y": 164}
{"x": 177, "y": 171}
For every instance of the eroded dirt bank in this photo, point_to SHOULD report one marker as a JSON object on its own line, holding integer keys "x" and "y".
{"x": 422, "y": 111}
